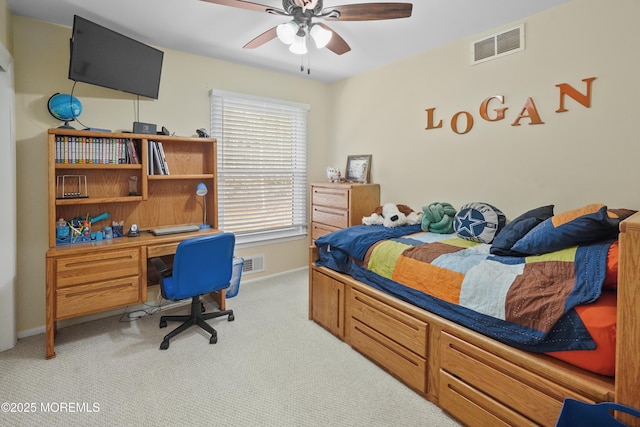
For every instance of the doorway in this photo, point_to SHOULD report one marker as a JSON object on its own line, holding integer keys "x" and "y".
{"x": 8, "y": 214}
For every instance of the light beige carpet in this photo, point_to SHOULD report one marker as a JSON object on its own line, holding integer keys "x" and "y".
{"x": 270, "y": 367}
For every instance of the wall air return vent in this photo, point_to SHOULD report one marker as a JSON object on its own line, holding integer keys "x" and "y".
{"x": 497, "y": 45}
{"x": 253, "y": 264}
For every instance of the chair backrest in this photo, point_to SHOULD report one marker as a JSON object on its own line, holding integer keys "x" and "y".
{"x": 202, "y": 265}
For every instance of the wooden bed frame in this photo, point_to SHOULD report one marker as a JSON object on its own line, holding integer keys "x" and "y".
{"x": 478, "y": 380}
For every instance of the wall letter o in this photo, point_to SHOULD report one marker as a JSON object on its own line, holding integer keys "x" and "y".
{"x": 454, "y": 122}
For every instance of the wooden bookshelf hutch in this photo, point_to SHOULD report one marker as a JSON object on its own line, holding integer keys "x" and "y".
{"x": 99, "y": 275}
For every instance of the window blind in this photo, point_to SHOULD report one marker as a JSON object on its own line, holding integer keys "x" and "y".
{"x": 262, "y": 165}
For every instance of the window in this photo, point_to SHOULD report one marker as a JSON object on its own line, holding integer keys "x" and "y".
{"x": 262, "y": 166}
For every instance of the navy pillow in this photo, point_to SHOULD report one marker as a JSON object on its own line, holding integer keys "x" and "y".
{"x": 517, "y": 229}
{"x": 589, "y": 224}
{"x": 478, "y": 222}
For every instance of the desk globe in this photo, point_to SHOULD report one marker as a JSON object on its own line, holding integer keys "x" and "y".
{"x": 64, "y": 108}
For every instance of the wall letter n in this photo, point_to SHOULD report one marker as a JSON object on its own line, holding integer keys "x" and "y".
{"x": 566, "y": 89}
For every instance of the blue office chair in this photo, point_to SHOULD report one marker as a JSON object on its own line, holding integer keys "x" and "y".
{"x": 201, "y": 265}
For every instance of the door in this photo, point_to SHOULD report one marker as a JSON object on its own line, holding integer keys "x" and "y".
{"x": 8, "y": 216}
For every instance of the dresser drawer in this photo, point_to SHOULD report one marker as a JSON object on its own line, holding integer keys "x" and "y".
{"x": 319, "y": 230}
{"x": 99, "y": 266}
{"x": 405, "y": 330}
{"x": 84, "y": 299}
{"x": 330, "y": 216}
{"x": 335, "y": 197}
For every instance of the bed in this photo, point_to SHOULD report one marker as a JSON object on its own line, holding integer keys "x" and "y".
{"x": 448, "y": 316}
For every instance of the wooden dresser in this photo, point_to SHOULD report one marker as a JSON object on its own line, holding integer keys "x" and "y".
{"x": 339, "y": 205}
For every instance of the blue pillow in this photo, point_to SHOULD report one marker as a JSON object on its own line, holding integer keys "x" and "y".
{"x": 478, "y": 222}
{"x": 517, "y": 229}
{"x": 589, "y": 224}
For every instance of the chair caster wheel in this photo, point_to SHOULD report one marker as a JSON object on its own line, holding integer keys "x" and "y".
{"x": 231, "y": 318}
{"x": 163, "y": 324}
{"x": 213, "y": 339}
{"x": 164, "y": 345}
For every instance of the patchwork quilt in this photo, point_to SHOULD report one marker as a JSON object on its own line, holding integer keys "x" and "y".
{"x": 527, "y": 302}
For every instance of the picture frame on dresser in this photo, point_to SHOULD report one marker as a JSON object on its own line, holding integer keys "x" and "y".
{"x": 358, "y": 168}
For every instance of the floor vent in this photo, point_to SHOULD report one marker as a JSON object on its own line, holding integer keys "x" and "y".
{"x": 497, "y": 45}
{"x": 253, "y": 264}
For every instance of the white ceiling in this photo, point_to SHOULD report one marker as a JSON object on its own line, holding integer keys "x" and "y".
{"x": 220, "y": 31}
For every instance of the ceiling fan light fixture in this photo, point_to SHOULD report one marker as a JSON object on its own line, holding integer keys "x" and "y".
{"x": 287, "y": 31}
{"x": 299, "y": 45}
{"x": 320, "y": 36}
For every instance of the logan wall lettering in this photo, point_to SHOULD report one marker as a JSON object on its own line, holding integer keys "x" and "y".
{"x": 462, "y": 121}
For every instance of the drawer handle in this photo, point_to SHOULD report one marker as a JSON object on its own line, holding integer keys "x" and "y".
{"x": 336, "y": 192}
{"x": 331, "y": 212}
{"x": 91, "y": 291}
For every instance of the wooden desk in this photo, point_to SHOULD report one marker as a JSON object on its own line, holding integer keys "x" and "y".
{"x": 96, "y": 276}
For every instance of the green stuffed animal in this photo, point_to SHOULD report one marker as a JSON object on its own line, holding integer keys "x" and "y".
{"x": 438, "y": 218}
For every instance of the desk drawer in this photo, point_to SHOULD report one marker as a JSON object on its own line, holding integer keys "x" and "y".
{"x": 330, "y": 216}
{"x": 154, "y": 251}
{"x": 84, "y": 299}
{"x": 336, "y": 197}
{"x": 99, "y": 266}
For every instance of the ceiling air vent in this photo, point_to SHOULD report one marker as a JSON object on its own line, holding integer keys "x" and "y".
{"x": 497, "y": 45}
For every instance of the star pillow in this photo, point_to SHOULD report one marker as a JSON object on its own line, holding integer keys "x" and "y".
{"x": 478, "y": 222}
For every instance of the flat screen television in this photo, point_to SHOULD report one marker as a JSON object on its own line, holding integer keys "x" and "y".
{"x": 103, "y": 57}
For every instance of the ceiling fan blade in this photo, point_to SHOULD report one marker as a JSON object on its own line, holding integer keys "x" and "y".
{"x": 267, "y": 36}
{"x": 246, "y": 5}
{"x": 368, "y": 11}
{"x": 337, "y": 44}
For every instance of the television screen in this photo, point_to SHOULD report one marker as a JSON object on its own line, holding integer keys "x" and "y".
{"x": 103, "y": 57}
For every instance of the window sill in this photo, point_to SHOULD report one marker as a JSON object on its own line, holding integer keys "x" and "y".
{"x": 261, "y": 239}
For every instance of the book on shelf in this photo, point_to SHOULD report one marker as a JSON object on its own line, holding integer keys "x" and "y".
{"x": 90, "y": 150}
{"x": 132, "y": 153}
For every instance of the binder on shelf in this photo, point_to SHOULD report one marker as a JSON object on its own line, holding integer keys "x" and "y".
{"x": 156, "y": 152}
{"x": 163, "y": 159}
{"x": 150, "y": 159}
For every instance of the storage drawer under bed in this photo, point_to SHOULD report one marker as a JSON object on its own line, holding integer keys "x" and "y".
{"x": 490, "y": 385}
{"x": 392, "y": 339}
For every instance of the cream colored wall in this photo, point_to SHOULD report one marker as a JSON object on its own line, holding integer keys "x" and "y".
{"x": 577, "y": 157}
{"x": 41, "y": 53}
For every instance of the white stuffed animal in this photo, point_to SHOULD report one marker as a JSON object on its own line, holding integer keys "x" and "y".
{"x": 393, "y": 215}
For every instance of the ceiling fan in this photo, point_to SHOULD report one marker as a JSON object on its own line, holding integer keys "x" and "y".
{"x": 302, "y": 13}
